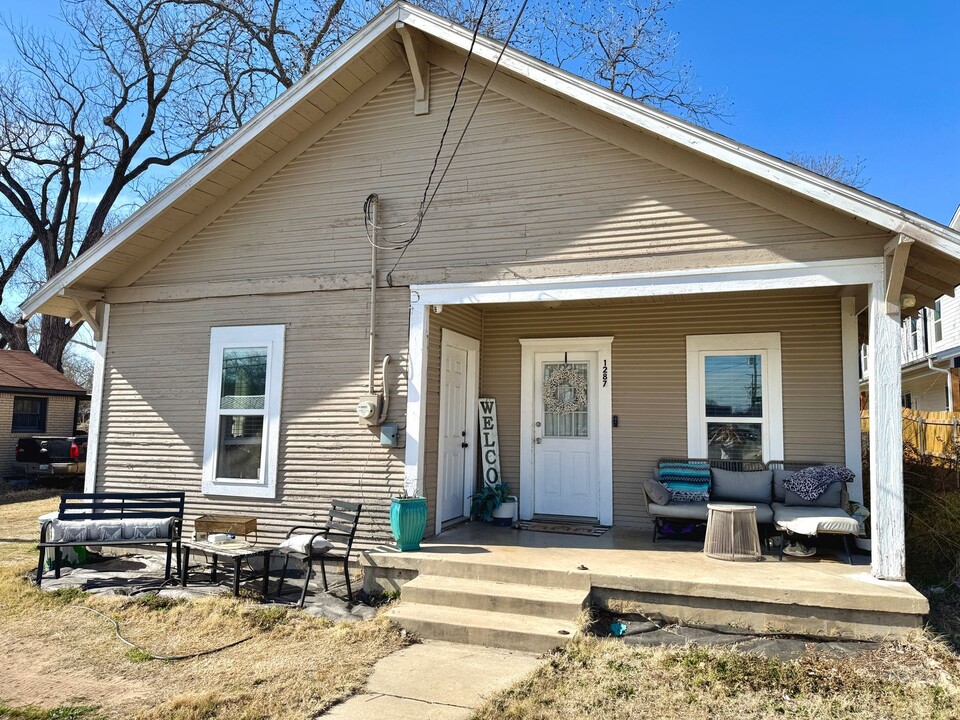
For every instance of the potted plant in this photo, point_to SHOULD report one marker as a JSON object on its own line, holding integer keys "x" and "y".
{"x": 494, "y": 504}
{"x": 408, "y": 521}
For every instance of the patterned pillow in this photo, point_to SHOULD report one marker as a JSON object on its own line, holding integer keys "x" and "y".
{"x": 686, "y": 481}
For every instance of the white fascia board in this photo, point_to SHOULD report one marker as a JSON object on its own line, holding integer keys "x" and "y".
{"x": 212, "y": 161}
{"x": 685, "y": 134}
{"x": 828, "y": 273}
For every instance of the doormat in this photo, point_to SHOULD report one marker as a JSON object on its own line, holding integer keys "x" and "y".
{"x": 563, "y": 528}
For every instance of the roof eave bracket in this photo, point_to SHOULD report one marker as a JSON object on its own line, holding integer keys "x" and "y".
{"x": 898, "y": 252}
{"x": 415, "y": 46}
{"x": 81, "y": 298}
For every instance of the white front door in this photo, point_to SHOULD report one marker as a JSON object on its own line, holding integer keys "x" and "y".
{"x": 456, "y": 451}
{"x": 566, "y": 437}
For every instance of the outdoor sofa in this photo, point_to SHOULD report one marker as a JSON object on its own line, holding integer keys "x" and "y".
{"x": 759, "y": 484}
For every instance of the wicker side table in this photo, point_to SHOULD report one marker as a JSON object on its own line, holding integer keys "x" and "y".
{"x": 732, "y": 533}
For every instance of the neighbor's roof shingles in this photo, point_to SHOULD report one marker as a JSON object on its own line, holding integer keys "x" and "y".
{"x": 22, "y": 370}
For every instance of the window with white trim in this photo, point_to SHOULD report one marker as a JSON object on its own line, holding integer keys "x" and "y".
{"x": 734, "y": 397}
{"x": 913, "y": 336}
{"x": 937, "y": 322}
{"x": 242, "y": 435}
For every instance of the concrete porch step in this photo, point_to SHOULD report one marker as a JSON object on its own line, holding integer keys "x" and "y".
{"x": 489, "y": 596}
{"x": 481, "y": 627}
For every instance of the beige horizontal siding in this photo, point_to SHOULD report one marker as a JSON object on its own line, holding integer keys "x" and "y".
{"x": 525, "y": 190}
{"x": 61, "y": 411}
{"x": 649, "y": 375}
{"x": 466, "y": 320}
{"x": 155, "y": 398}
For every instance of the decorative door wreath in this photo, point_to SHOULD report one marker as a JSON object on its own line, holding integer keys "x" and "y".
{"x": 565, "y": 376}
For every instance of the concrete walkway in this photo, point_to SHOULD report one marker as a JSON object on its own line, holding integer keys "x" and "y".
{"x": 434, "y": 681}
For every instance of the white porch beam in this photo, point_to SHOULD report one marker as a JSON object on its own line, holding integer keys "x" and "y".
{"x": 886, "y": 435}
{"x": 415, "y": 452}
{"x": 415, "y": 47}
{"x": 96, "y": 400}
{"x": 850, "y": 360}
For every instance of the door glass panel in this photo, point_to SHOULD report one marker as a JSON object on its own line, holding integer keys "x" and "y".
{"x": 733, "y": 386}
{"x": 734, "y": 441}
{"x": 244, "y": 381}
{"x": 565, "y": 400}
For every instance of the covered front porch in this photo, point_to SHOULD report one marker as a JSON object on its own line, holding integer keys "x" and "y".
{"x": 624, "y": 572}
{"x": 644, "y": 343}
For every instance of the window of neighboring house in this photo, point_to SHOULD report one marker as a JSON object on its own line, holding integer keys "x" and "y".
{"x": 734, "y": 397}
{"x": 243, "y": 411}
{"x": 937, "y": 322}
{"x": 29, "y": 415}
{"x": 913, "y": 337}
{"x": 906, "y": 400}
{"x": 863, "y": 359}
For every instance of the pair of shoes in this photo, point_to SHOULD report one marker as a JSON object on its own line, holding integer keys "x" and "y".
{"x": 798, "y": 549}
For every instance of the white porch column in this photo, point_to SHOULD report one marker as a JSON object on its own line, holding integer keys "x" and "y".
{"x": 850, "y": 357}
{"x": 886, "y": 437}
{"x": 416, "y": 415}
{"x": 96, "y": 399}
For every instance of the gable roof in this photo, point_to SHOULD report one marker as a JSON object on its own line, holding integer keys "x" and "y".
{"x": 22, "y": 370}
{"x": 352, "y": 74}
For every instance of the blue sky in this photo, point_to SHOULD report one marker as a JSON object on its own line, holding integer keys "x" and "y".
{"x": 875, "y": 78}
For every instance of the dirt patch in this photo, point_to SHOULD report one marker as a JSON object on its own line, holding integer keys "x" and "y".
{"x": 293, "y": 666}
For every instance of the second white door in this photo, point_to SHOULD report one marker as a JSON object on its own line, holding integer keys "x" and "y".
{"x": 458, "y": 391}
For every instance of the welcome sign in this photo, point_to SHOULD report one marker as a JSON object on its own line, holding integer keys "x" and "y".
{"x": 489, "y": 442}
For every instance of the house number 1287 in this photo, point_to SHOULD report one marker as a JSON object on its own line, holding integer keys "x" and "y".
{"x": 605, "y": 373}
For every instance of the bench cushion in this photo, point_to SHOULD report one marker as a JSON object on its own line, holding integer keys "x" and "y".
{"x": 832, "y": 497}
{"x": 809, "y": 520}
{"x": 680, "y": 511}
{"x": 746, "y": 487}
{"x": 106, "y": 531}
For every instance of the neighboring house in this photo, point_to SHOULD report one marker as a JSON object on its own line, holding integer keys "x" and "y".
{"x": 703, "y": 296}
{"x": 35, "y": 399}
{"x": 930, "y": 352}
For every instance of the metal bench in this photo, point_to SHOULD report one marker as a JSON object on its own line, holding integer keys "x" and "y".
{"x": 83, "y": 512}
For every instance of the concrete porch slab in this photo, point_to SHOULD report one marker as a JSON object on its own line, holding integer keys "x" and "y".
{"x": 627, "y": 573}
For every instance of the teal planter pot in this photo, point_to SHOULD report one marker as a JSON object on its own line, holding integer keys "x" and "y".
{"x": 408, "y": 521}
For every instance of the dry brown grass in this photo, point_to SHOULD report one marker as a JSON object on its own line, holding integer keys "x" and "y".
{"x": 294, "y": 666}
{"x": 594, "y": 678}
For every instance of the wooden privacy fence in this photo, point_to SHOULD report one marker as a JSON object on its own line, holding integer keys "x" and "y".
{"x": 931, "y": 433}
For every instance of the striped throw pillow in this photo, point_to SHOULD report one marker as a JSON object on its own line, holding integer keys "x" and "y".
{"x": 686, "y": 481}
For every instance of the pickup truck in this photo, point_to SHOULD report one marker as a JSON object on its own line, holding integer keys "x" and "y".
{"x": 45, "y": 456}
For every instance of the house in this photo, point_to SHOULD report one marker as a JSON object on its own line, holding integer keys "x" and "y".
{"x": 35, "y": 399}
{"x": 693, "y": 284}
{"x": 930, "y": 355}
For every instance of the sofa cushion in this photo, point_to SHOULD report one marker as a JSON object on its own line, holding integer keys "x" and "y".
{"x": 832, "y": 497}
{"x": 680, "y": 511}
{"x": 686, "y": 481}
{"x": 747, "y": 487}
{"x": 656, "y": 492}
{"x": 814, "y": 520}
{"x": 779, "y": 476}
{"x": 763, "y": 511}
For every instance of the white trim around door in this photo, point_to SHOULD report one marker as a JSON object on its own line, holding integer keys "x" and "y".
{"x": 450, "y": 339}
{"x": 604, "y": 385}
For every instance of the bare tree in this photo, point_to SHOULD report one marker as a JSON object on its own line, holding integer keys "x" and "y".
{"x": 84, "y": 120}
{"x": 264, "y": 46}
{"x": 89, "y": 121}
{"x": 835, "y": 167}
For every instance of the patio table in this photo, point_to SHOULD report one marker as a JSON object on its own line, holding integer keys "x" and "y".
{"x": 732, "y": 532}
{"x": 237, "y": 551}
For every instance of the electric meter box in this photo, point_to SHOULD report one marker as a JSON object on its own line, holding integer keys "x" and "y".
{"x": 368, "y": 409}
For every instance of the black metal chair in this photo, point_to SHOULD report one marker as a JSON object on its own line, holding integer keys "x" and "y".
{"x": 340, "y": 530}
